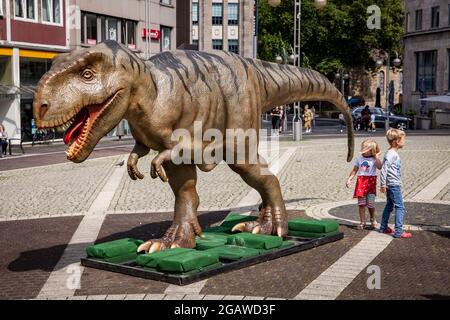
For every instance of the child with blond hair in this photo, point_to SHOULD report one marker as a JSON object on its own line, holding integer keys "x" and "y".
{"x": 391, "y": 184}
{"x": 366, "y": 166}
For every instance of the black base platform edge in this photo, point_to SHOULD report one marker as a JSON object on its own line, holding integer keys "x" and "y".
{"x": 181, "y": 280}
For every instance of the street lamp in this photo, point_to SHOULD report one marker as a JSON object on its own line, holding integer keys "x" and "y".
{"x": 342, "y": 75}
{"x": 397, "y": 62}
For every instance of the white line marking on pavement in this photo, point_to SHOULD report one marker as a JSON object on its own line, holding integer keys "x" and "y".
{"x": 435, "y": 187}
{"x": 251, "y": 199}
{"x": 330, "y": 284}
{"x": 66, "y": 276}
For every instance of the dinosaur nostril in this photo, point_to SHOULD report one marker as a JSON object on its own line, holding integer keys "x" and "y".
{"x": 43, "y": 109}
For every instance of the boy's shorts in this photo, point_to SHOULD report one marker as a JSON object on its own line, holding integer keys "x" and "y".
{"x": 367, "y": 201}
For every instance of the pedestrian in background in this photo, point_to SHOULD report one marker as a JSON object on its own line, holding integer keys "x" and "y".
{"x": 3, "y": 140}
{"x": 276, "y": 118}
{"x": 308, "y": 118}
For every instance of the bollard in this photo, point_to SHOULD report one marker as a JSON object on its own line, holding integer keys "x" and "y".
{"x": 297, "y": 127}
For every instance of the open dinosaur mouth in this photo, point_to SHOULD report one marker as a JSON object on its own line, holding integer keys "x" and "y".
{"x": 78, "y": 129}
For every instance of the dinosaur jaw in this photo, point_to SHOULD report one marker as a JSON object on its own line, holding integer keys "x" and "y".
{"x": 81, "y": 129}
{"x": 79, "y": 136}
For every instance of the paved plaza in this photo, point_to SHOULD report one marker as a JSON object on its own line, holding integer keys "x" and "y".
{"x": 50, "y": 210}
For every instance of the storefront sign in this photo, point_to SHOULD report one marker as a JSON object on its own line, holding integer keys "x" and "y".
{"x": 154, "y": 34}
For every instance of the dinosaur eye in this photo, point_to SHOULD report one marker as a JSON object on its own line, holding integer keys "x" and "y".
{"x": 87, "y": 74}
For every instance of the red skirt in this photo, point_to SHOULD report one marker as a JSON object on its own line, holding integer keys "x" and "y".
{"x": 365, "y": 185}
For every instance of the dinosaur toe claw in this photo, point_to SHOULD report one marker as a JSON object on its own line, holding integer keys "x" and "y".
{"x": 145, "y": 246}
{"x": 155, "y": 247}
{"x": 256, "y": 229}
{"x": 239, "y": 227}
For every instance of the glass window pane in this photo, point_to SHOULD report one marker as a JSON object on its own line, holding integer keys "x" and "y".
{"x": 30, "y": 9}
{"x": 195, "y": 13}
{"x": 165, "y": 38}
{"x": 91, "y": 28}
{"x": 57, "y": 11}
{"x": 131, "y": 30}
{"x": 46, "y": 7}
{"x": 112, "y": 29}
{"x": 233, "y": 13}
{"x": 18, "y": 8}
{"x": 123, "y": 32}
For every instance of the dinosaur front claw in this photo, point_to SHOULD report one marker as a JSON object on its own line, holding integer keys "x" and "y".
{"x": 157, "y": 170}
{"x": 133, "y": 171}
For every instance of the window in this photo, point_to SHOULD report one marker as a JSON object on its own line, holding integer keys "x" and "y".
{"x": 195, "y": 42}
{"x": 381, "y": 82}
{"x": 166, "y": 38}
{"x": 233, "y": 46}
{"x": 217, "y": 44}
{"x": 91, "y": 29}
{"x": 32, "y": 70}
{"x": 448, "y": 14}
{"x": 195, "y": 13}
{"x": 25, "y": 9}
{"x": 426, "y": 70}
{"x": 111, "y": 28}
{"x": 435, "y": 17}
{"x": 51, "y": 11}
{"x": 419, "y": 20}
{"x": 131, "y": 34}
{"x": 166, "y": 2}
{"x": 1, "y": 7}
{"x": 233, "y": 14}
{"x": 217, "y": 11}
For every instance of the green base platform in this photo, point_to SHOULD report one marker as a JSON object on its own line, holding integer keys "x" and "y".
{"x": 217, "y": 252}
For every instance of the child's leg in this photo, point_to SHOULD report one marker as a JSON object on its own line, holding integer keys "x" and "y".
{"x": 371, "y": 207}
{"x": 399, "y": 211}
{"x": 387, "y": 211}
{"x": 362, "y": 211}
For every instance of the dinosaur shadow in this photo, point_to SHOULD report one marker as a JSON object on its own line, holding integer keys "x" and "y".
{"x": 46, "y": 259}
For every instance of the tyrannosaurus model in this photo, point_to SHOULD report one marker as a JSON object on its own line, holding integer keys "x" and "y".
{"x": 87, "y": 92}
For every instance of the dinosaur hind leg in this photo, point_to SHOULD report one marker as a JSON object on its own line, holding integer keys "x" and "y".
{"x": 272, "y": 218}
{"x": 185, "y": 226}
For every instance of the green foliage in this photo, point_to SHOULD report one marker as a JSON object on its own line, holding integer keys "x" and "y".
{"x": 332, "y": 37}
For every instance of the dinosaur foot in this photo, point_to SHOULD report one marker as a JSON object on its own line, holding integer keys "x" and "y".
{"x": 270, "y": 221}
{"x": 179, "y": 235}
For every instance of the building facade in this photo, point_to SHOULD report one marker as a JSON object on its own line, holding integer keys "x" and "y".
{"x": 144, "y": 26}
{"x": 426, "y": 54}
{"x": 223, "y": 25}
{"x": 32, "y": 33}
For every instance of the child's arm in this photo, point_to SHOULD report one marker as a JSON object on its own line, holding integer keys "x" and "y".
{"x": 350, "y": 177}
{"x": 387, "y": 162}
{"x": 378, "y": 162}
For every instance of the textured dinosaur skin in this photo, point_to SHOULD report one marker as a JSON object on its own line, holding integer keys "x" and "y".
{"x": 88, "y": 91}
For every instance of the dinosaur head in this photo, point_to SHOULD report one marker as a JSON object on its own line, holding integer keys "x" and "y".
{"x": 85, "y": 93}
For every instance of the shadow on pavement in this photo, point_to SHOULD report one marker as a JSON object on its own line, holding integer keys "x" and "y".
{"x": 45, "y": 259}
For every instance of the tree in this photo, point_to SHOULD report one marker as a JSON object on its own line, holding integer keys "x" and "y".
{"x": 333, "y": 37}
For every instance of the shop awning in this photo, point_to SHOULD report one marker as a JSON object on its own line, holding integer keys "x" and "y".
{"x": 9, "y": 91}
{"x": 443, "y": 99}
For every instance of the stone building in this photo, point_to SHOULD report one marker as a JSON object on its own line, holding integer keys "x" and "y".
{"x": 427, "y": 57}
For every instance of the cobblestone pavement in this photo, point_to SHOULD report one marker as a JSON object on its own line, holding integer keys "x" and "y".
{"x": 52, "y": 190}
{"x": 315, "y": 174}
{"x": 319, "y": 171}
{"x": 413, "y": 269}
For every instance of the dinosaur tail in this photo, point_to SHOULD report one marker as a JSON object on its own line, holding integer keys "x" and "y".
{"x": 285, "y": 84}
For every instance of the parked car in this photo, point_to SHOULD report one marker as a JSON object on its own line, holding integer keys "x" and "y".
{"x": 356, "y": 101}
{"x": 399, "y": 122}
